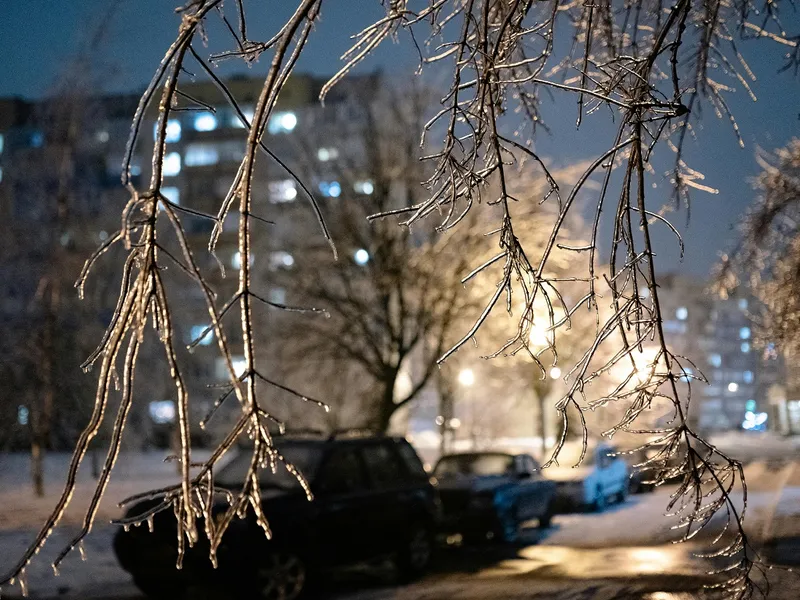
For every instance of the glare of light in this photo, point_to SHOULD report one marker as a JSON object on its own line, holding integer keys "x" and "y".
{"x": 715, "y": 360}
{"x": 455, "y": 423}
{"x": 651, "y": 560}
{"x": 239, "y": 366}
{"x": 102, "y": 137}
{"x": 644, "y": 292}
{"x": 733, "y": 386}
{"x": 744, "y": 333}
{"x": 171, "y": 165}
{"x": 745, "y": 347}
{"x": 197, "y": 331}
{"x": 288, "y": 121}
{"x": 364, "y": 187}
{"x": 326, "y": 154}
{"x": 750, "y": 405}
{"x": 287, "y": 259}
{"x": 682, "y": 313}
{"x": 539, "y": 337}
{"x": 236, "y": 260}
{"x": 173, "y": 131}
{"x": 555, "y": 373}
{"x": 747, "y": 376}
{"x": 440, "y": 420}
{"x": 466, "y": 377}
{"x": 22, "y": 415}
{"x": 754, "y": 420}
{"x": 205, "y": 121}
{"x": 361, "y": 257}
{"x": 103, "y": 235}
{"x": 171, "y": 193}
{"x": 162, "y": 411}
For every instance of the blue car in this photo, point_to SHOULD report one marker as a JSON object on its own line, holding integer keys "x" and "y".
{"x": 489, "y": 495}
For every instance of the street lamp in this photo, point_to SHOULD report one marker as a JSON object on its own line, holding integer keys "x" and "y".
{"x": 555, "y": 373}
{"x": 466, "y": 377}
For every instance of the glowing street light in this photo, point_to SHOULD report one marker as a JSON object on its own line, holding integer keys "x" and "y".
{"x": 555, "y": 373}
{"x": 466, "y": 377}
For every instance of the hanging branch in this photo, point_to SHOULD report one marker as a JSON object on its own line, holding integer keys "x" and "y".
{"x": 648, "y": 65}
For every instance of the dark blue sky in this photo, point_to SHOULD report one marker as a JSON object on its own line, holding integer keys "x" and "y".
{"x": 38, "y": 37}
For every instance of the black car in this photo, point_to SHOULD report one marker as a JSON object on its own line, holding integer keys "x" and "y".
{"x": 488, "y": 495}
{"x": 372, "y": 499}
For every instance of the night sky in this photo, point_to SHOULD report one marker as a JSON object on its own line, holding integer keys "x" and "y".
{"x": 39, "y": 36}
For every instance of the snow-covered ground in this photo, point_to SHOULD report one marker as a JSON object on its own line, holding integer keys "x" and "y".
{"x": 774, "y": 494}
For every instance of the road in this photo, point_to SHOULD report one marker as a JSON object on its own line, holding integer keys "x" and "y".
{"x": 623, "y": 553}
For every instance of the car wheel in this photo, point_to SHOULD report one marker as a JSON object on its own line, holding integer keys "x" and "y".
{"x": 599, "y": 504}
{"x": 282, "y": 576}
{"x": 414, "y": 556}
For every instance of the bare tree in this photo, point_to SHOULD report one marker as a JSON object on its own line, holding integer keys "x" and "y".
{"x": 767, "y": 259}
{"x": 649, "y": 65}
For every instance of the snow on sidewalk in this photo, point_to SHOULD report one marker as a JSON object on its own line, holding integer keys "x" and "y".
{"x": 22, "y": 513}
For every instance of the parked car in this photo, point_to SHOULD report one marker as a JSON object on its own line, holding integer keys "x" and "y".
{"x": 488, "y": 495}
{"x": 640, "y": 478}
{"x": 601, "y": 478}
{"x": 372, "y": 499}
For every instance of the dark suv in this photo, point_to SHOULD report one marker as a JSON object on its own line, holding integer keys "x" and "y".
{"x": 372, "y": 499}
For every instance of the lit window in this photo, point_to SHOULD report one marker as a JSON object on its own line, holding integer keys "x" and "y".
{"x": 237, "y": 122}
{"x": 22, "y": 414}
{"x": 744, "y": 333}
{"x": 745, "y": 347}
{"x": 280, "y": 260}
{"x": 172, "y": 194}
{"x": 173, "y": 131}
{"x": 239, "y": 365}
{"x": 747, "y": 377}
{"x": 742, "y": 303}
{"x": 172, "y": 164}
{"x": 37, "y": 139}
{"x": 733, "y": 386}
{"x": 236, "y": 260}
{"x": 205, "y": 121}
{"x": 1, "y": 174}
{"x": 364, "y": 187}
{"x": 197, "y": 330}
{"x": 284, "y": 190}
{"x": 330, "y": 189}
{"x": 326, "y": 154}
{"x": 277, "y": 295}
{"x": 162, "y": 411}
{"x": 361, "y": 257}
{"x": 282, "y": 122}
{"x": 201, "y": 155}
{"x": 715, "y": 360}
{"x": 2, "y": 142}
{"x": 681, "y": 313}
{"x": 750, "y": 405}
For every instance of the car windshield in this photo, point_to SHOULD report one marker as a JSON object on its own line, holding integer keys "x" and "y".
{"x": 304, "y": 456}
{"x": 474, "y": 464}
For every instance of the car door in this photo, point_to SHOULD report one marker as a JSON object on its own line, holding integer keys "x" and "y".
{"x": 393, "y": 496}
{"x": 532, "y": 489}
{"x": 344, "y": 496}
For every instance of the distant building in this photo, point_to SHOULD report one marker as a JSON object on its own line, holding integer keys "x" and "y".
{"x": 716, "y": 334}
